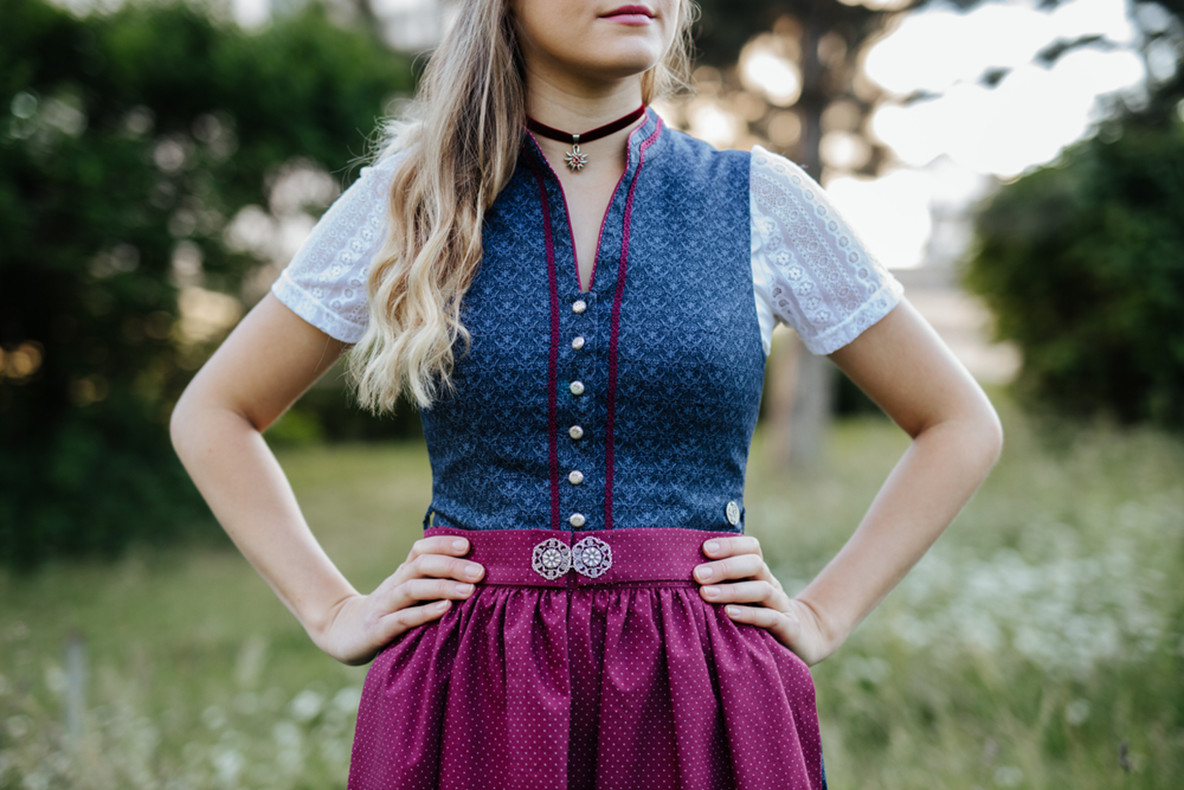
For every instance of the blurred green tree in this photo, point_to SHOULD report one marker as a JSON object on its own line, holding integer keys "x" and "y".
{"x": 825, "y": 39}
{"x": 1082, "y": 264}
{"x": 129, "y": 143}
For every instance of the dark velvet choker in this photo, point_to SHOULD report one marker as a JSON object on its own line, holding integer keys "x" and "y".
{"x": 575, "y": 159}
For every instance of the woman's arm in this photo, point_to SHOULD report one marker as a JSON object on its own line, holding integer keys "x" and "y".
{"x": 265, "y": 364}
{"x": 905, "y": 368}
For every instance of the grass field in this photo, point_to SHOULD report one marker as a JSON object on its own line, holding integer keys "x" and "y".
{"x": 1039, "y": 645}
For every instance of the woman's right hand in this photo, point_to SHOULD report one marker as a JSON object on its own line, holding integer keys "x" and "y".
{"x": 434, "y": 573}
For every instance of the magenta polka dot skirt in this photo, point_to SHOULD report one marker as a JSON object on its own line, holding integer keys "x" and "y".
{"x": 586, "y": 660}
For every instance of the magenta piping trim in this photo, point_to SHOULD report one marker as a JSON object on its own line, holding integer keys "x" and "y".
{"x": 614, "y": 331}
{"x": 603, "y": 220}
{"x": 553, "y": 364}
{"x": 571, "y": 233}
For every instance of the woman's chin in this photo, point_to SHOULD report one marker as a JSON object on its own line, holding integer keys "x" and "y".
{"x": 620, "y": 63}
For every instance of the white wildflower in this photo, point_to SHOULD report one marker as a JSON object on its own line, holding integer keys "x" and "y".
{"x": 228, "y": 764}
{"x": 306, "y": 705}
{"x": 347, "y": 700}
{"x": 214, "y": 717}
{"x": 17, "y": 726}
{"x": 55, "y": 679}
{"x": 37, "y": 780}
{"x": 1008, "y": 776}
{"x": 1077, "y": 711}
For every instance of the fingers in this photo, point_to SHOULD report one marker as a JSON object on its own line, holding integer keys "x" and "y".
{"x": 758, "y": 592}
{"x": 438, "y": 544}
{"x": 731, "y": 545}
{"x": 785, "y": 623}
{"x": 416, "y": 590}
{"x": 438, "y": 555}
{"x": 745, "y": 566}
{"x": 428, "y": 575}
{"x": 395, "y": 623}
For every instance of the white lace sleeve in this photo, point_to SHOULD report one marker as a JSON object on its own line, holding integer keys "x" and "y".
{"x": 325, "y": 282}
{"x": 809, "y": 268}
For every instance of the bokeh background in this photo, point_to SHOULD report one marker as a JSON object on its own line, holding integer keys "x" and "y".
{"x": 1018, "y": 165}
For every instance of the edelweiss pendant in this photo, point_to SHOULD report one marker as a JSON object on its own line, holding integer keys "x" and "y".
{"x": 575, "y": 159}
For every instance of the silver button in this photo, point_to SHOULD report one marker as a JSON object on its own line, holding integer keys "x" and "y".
{"x": 579, "y": 306}
{"x": 732, "y": 511}
{"x": 577, "y": 342}
{"x": 575, "y": 432}
{"x": 577, "y": 520}
{"x": 575, "y": 477}
{"x": 577, "y": 388}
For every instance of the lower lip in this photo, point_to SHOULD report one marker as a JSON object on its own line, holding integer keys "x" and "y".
{"x": 630, "y": 19}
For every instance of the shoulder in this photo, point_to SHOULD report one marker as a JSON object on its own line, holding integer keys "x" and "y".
{"x": 818, "y": 275}
{"x": 694, "y": 149}
{"x": 325, "y": 282}
{"x": 381, "y": 168}
{"x": 692, "y": 161}
{"x": 780, "y": 175}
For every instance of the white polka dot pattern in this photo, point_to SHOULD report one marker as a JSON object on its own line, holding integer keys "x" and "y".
{"x": 619, "y": 687}
{"x": 810, "y": 269}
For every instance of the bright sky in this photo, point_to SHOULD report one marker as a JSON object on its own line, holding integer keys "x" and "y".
{"x": 1025, "y": 121}
{"x": 1031, "y": 114}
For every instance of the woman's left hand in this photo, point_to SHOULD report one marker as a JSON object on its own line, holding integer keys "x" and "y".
{"x": 738, "y": 575}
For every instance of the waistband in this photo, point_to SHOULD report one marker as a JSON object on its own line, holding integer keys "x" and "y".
{"x": 558, "y": 558}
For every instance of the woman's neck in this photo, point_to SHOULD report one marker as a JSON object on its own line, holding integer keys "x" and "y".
{"x": 578, "y": 110}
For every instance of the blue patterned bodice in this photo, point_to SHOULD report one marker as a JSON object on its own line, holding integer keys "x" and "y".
{"x": 628, "y": 406}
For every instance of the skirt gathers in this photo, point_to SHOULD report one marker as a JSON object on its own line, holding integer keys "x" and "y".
{"x": 586, "y": 660}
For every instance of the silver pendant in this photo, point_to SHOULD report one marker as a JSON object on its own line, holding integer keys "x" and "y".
{"x": 575, "y": 159}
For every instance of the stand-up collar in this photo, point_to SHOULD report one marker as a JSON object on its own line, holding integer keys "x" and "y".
{"x": 648, "y": 134}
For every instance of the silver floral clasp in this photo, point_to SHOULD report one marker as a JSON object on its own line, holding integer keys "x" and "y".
{"x": 589, "y": 557}
{"x": 552, "y": 558}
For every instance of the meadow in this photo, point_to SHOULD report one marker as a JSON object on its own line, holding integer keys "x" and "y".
{"x": 1040, "y": 644}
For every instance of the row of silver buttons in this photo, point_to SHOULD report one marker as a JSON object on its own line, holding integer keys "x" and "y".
{"x": 589, "y": 557}
{"x": 576, "y": 477}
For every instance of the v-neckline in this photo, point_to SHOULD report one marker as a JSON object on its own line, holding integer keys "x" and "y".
{"x": 635, "y": 142}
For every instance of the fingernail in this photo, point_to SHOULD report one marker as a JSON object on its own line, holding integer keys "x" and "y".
{"x": 732, "y": 610}
{"x": 459, "y": 544}
{"x": 712, "y": 546}
{"x": 703, "y": 572}
{"x": 443, "y": 604}
{"x": 711, "y": 592}
{"x": 473, "y": 571}
{"x": 464, "y": 589}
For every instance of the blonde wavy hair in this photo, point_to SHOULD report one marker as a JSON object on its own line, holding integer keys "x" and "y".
{"x": 459, "y": 144}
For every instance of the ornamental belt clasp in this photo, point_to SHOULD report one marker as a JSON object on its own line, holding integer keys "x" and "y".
{"x": 589, "y": 557}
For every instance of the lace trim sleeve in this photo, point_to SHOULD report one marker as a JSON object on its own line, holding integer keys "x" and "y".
{"x": 325, "y": 282}
{"x": 808, "y": 263}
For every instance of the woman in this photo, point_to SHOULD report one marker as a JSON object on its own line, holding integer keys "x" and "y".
{"x": 581, "y": 307}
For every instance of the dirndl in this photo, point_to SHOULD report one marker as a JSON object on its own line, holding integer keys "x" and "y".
{"x": 586, "y": 660}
